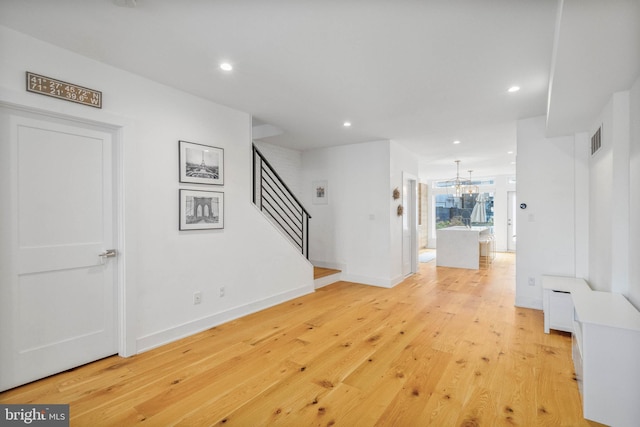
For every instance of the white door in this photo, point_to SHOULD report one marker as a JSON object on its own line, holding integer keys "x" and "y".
{"x": 511, "y": 221}
{"x": 409, "y": 226}
{"x": 58, "y": 293}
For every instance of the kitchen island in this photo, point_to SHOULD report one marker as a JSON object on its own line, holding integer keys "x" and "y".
{"x": 459, "y": 246}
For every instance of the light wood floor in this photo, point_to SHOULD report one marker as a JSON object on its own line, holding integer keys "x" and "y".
{"x": 446, "y": 347}
{"x": 320, "y": 272}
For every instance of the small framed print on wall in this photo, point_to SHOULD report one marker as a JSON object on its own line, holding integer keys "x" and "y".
{"x": 320, "y": 193}
{"x": 201, "y": 210}
{"x": 201, "y": 164}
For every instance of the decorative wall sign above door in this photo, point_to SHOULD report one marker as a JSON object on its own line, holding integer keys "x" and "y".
{"x": 63, "y": 90}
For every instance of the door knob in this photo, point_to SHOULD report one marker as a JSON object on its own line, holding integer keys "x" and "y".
{"x": 109, "y": 253}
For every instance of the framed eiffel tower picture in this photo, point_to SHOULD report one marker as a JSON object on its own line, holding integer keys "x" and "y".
{"x": 201, "y": 164}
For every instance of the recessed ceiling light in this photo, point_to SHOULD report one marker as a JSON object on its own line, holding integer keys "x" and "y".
{"x": 456, "y": 142}
{"x": 509, "y": 152}
{"x": 226, "y": 66}
{"x": 346, "y": 124}
{"x": 514, "y": 89}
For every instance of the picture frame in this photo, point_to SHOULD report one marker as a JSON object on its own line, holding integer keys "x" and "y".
{"x": 201, "y": 210}
{"x": 320, "y": 195}
{"x": 201, "y": 164}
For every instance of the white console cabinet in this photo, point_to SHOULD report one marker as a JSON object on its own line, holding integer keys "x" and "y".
{"x": 606, "y": 357}
{"x": 557, "y": 303}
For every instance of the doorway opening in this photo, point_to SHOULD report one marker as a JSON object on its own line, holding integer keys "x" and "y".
{"x": 511, "y": 221}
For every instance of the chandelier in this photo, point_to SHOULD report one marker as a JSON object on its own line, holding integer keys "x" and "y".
{"x": 456, "y": 186}
{"x": 470, "y": 188}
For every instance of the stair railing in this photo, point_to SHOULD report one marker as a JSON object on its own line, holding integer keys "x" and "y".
{"x": 272, "y": 196}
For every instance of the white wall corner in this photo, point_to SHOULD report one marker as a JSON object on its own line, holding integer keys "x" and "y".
{"x": 581, "y": 203}
{"x": 620, "y": 216}
{"x": 265, "y": 131}
{"x": 546, "y": 227}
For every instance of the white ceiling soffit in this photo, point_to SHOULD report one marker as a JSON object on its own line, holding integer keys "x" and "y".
{"x": 597, "y": 53}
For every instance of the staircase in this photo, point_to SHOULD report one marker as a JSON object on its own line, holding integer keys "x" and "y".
{"x": 278, "y": 203}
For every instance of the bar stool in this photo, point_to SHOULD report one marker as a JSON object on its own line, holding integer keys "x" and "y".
{"x": 487, "y": 249}
{"x": 493, "y": 247}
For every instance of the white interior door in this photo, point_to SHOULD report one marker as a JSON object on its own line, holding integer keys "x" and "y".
{"x": 511, "y": 221}
{"x": 409, "y": 226}
{"x": 59, "y": 293}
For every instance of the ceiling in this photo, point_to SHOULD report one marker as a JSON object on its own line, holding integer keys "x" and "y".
{"x": 421, "y": 73}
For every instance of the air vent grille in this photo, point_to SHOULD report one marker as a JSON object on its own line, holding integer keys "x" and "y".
{"x": 596, "y": 141}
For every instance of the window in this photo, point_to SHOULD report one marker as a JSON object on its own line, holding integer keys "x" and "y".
{"x": 451, "y": 211}
{"x": 478, "y": 182}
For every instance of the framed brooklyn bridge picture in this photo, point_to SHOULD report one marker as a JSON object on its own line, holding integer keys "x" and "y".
{"x": 201, "y": 210}
{"x": 201, "y": 164}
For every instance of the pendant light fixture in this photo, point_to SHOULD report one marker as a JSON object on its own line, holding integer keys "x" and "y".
{"x": 470, "y": 188}
{"x": 456, "y": 186}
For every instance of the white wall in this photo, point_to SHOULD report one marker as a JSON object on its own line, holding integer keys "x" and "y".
{"x": 164, "y": 267}
{"x": 634, "y": 195}
{"x": 581, "y": 200}
{"x": 402, "y": 163}
{"x": 352, "y": 190}
{"x": 358, "y": 230}
{"x": 351, "y": 231}
{"x": 585, "y": 230}
{"x": 287, "y": 162}
{"x": 547, "y": 227}
{"x": 609, "y": 198}
{"x": 614, "y": 246}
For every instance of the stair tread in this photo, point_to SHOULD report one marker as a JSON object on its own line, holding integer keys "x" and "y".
{"x": 319, "y": 272}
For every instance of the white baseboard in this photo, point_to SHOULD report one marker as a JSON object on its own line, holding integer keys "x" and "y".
{"x": 372, "y": 281}
{"x": 327, "y": 280}
{"x": 524, "y": 302}
{"x": 397, "y": 280}
{"x": 167, "y": 336}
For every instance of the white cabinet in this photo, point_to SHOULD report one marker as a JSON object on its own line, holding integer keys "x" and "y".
{"x": 557, "y": 303}
{"x": 606, "y": 357}
{"x": 560, "y": 311}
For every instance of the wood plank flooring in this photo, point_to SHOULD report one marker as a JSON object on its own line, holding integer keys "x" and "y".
{"x": 446, "y": 347}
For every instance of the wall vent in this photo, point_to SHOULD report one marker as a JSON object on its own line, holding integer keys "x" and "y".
{"x": 596, "y": 141}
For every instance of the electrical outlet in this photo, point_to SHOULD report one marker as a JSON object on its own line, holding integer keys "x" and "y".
{"x": 197, "y": 297}
{"x": 222, "y": 291}
{"x": 532, "y": 281}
